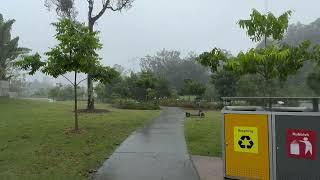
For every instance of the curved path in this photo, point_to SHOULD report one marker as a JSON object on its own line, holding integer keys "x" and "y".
{"x": 156, "y": 152}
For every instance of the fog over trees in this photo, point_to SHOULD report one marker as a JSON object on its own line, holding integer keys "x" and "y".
{"x": 171, "y": 69}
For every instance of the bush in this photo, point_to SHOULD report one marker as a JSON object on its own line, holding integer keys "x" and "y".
{"x": 190, "y": 104}
{"x": 126, "y": 104}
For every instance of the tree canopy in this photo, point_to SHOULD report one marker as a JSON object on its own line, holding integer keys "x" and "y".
{"x": 9, "y": 49}
{"x": 193, "y": 88}
{"x": 272, "y": 61}
{"x": 298, "y": 33}
{"x": 66, "y": 8}
{"x": 224, "y": 81}
{"x": 75, "y": 52}
{"x": 269, "y": 62}
{"x": 313, "y": 81}
{"x": 263, "y": 26}
{"x": 169, "y": 65}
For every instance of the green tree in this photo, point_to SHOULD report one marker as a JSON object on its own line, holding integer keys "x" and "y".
{"x": 116, "y": 5}
{"x": 9, "y": 50}
{"x": 75, "y": 52}
{"x": 273, "y": 61}
{"x": 261, "y": 27}
{"x": 296, "y": 85}
{"x": 224, "y": 81}
{"x": 192, "y": 87}
{"x": 249, "y": 85}
{"x": 169, "y": 65}
{"x": 42, "y": 92}
{"x": 163, "y": 88}
{"x": 118, "y": 87}
{"x": 313, "y": 82}
{"x": 64, "y": 93}
{"x": 138, "y": 86}
{"x": 54, "y": 92}
{"x": 146, "y": 82}
{"x": 66, "y": 8}
{"x": 19, "y": 85}
{"x": 298, "y": 33}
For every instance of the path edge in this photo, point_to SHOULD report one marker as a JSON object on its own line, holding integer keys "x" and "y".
{"x": 189, "y": 155}
{"x": 93, "y": 175}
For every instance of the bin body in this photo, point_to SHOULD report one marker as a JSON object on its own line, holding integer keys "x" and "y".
{"x": 297, "y": 146}
{"x": 246, "y": 146}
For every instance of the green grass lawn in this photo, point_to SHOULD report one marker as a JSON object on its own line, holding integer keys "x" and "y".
{"x": 203, "y": 136}
{"x": 34, "y": 143}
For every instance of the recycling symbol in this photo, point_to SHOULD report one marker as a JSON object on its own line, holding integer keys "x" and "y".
{"x": 245, "y": 139}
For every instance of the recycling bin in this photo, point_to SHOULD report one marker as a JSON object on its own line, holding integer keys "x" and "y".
{"x": 296, "y": 145}
{"x": 247, "y": 144}
{"x": 272, "y": 142}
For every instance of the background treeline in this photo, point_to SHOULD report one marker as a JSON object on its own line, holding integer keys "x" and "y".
{"x": 169, "y": 75}
{"x": 170, "y": 78}
{"x": 164, "y": 75}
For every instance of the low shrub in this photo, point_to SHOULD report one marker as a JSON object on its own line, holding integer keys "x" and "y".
{"x": 125, "y": 104}
{"x": 190, "y": 104}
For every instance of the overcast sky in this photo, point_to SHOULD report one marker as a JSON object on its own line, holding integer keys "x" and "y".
{"x": 151, "y": 25}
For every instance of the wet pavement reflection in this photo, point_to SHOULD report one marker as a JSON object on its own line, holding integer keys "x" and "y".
{"x": 156, "y": 152}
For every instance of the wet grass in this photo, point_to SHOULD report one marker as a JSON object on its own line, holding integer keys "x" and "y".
{"x": 203, "y": 136}
{"x": 34, "y": 143}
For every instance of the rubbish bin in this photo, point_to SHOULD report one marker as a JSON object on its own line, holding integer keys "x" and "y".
{"x": 296, "y": 150}
{"x": 272, "y": 143}
{"x": 246, "y": 143}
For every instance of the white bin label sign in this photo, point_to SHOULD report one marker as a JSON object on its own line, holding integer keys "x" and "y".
{"x": 301, "y": 144}
{"x": 246, "y": 139}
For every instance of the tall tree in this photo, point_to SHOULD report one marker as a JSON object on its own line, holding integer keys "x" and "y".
{"x": 295, "y": 35}
{"x": 193, "y": 88}
{"x": 9, "y": 49}
{"x": 261, "y": 27}
{"x": 67, "y": 6}
{"x": 64, "y": 8}
{"x": 112, "y": 5}
{"x": 313, "y": 81}
{"x": 298, "y": 33}
{"x": 19, "y": 85}
{"x": 169, "y": 65}
{"x": 273, "y": 61}
{"x": 75, "y": 52}
{"x": 224, "y": 81}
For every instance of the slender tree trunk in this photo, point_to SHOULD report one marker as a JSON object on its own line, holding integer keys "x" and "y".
{"x": 268, "y": 82}
{"x": 90, "y": 105}
{"x": 269, "y": 89}
{"x": 265, "y": 41}
{"x": 76, "y": 126}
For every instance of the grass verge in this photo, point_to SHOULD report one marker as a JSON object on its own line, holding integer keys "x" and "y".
{"x": 34, "y": 143}
{"x": 203, "y": 136}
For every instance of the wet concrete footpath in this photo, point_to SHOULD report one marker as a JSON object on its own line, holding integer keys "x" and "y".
{"x": 156, "y": 152}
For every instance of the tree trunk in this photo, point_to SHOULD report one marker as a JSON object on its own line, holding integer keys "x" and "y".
{"x": 268, "y": 88}
{"x": 90, "y": 105}
{"x": 265, "y": 41}
{"x": 76, "y": 126}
